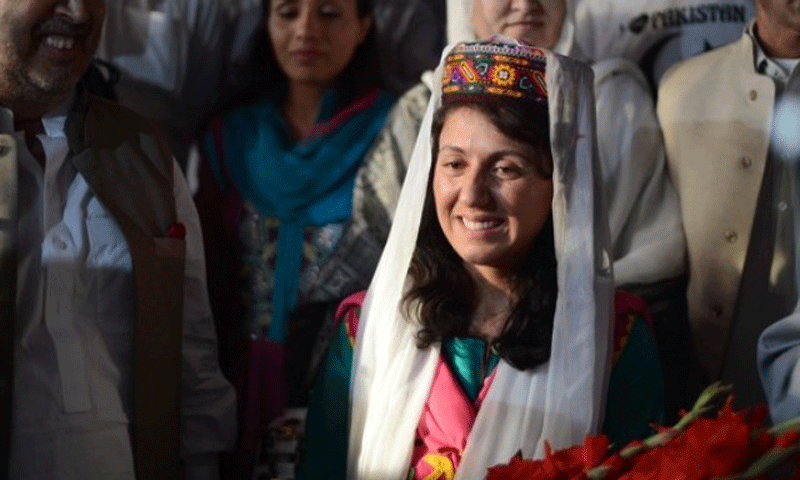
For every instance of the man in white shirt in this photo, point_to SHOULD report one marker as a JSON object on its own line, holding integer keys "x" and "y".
{"x": 109, "y": 367}
{"x": 737, "y": 182}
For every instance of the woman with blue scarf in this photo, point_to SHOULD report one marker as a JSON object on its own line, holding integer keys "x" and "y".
{"x": 290, "y": 214}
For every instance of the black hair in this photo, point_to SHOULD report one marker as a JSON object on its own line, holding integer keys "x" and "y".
{"x": 444, "y": 293}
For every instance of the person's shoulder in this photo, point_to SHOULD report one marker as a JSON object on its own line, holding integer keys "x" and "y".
{"x": 108, "y": 124}
{"x": 105, "y": 108}
{"x": 413, "y": 102}
{"x": 623, "y": 80}
{"x": 405, "y": 117}
{"x": 618, "y": 70}
{"x": 348, "y": 313}
{"x": 419, "y": 93}
{"x": 701, "y": 68}
{"x": 699, "y": 83}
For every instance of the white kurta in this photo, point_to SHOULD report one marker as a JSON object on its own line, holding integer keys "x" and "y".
{"x": 75, "y": 319}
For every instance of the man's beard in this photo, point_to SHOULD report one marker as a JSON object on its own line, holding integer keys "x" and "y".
{"x": 34, "y": 83}
{"x": 29, "y": 77}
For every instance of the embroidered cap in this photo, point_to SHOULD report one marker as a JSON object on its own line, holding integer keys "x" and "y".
{"x": 495, "y": 69}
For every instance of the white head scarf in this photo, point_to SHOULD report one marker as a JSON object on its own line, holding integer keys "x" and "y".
{"x": 561, "y": 400}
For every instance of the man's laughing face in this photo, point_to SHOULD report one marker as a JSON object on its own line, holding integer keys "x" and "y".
{"x": 46, "y": 45}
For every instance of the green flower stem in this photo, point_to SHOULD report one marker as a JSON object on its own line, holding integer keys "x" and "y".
{"x": 788, "y": 425}
{"x": 702, "y": 406}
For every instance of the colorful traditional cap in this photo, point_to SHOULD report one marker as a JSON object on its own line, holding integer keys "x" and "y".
{"x": 500, "y": 67}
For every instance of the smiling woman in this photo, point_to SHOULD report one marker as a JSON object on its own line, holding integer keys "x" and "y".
{"x": 486, "y": 228}
{"x": 287, "y": 225}
{"x": 486, "y": 329}
{"x": 491, "y": 198}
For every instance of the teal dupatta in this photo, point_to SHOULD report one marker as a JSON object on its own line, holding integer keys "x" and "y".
{"x": 300, "y": 184}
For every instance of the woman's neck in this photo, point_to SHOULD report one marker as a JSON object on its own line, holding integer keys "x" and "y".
{"x": 495, "y": 299}
{"x": 301, "y": 108}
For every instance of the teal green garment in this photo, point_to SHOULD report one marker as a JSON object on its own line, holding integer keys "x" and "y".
{"x": 470, "y": 362}
{"x": 326, "y": 438}
{"x": 635, "y": 389}
{"x": 635, "y": 397}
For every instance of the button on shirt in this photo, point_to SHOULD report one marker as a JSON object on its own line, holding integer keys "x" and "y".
{"x": 74, "y": 328}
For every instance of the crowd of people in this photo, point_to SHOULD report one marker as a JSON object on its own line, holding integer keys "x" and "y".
{"x": 385, "y": 239}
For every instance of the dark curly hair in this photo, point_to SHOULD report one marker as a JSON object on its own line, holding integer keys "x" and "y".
{"x": 443, "y": 292}
{"x": 263, "y": 75}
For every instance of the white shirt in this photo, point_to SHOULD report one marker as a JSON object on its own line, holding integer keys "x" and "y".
{"x": 170, "y": 54}
{"x": 75, "y": 318}
{"x": 657, "y": 33}
{"x": 175, "y": 60}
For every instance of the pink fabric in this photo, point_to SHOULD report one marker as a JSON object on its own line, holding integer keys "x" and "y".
{"x": 445, "y": 423}
{"x": 339, "y": 118}
{"x": 350, "y": 307}
{"x": 629, "y": 304}
{"x": 447, "y": 417}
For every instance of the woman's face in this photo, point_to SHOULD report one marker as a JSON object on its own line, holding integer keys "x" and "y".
{"x": 536, "y": 21}
{"x": 314, "y": 40}
{"x": 491, "y": 201}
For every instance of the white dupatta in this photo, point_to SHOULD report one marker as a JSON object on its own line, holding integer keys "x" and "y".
{"x": 559, "y": 401}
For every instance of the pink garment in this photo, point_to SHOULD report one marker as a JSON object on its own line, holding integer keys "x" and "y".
{"x": 350, "y": 308}
{"x": 444, "y": 425}
{"x": 448, "y": 414}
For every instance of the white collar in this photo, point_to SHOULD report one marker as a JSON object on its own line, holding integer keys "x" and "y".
{"x": 777, "y": 69}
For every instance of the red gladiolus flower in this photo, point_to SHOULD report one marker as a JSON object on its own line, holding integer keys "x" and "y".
{"x": 517, "y": 469}
{"x": 787, "y": 439}
{"x": 568, "y": 464}
{"x": 697, "y": 448}
{"x": 707, "y": 448}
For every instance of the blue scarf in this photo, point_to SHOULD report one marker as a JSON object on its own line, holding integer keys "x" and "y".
{"x": 307, "y": 183}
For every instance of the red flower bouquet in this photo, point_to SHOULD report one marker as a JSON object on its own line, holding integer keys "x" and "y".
{"x": 731, "y": 445}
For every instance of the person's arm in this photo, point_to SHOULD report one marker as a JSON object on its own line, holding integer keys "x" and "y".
{"x": 779, "y": 366}
{"x": 208, "y": 402}
{"x": 213, "y": 201}
{"x": 644, "y": 215}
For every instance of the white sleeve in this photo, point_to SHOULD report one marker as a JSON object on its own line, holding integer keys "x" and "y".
{"x": 208, "y": 401}
{"x": 643, "y": 210}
